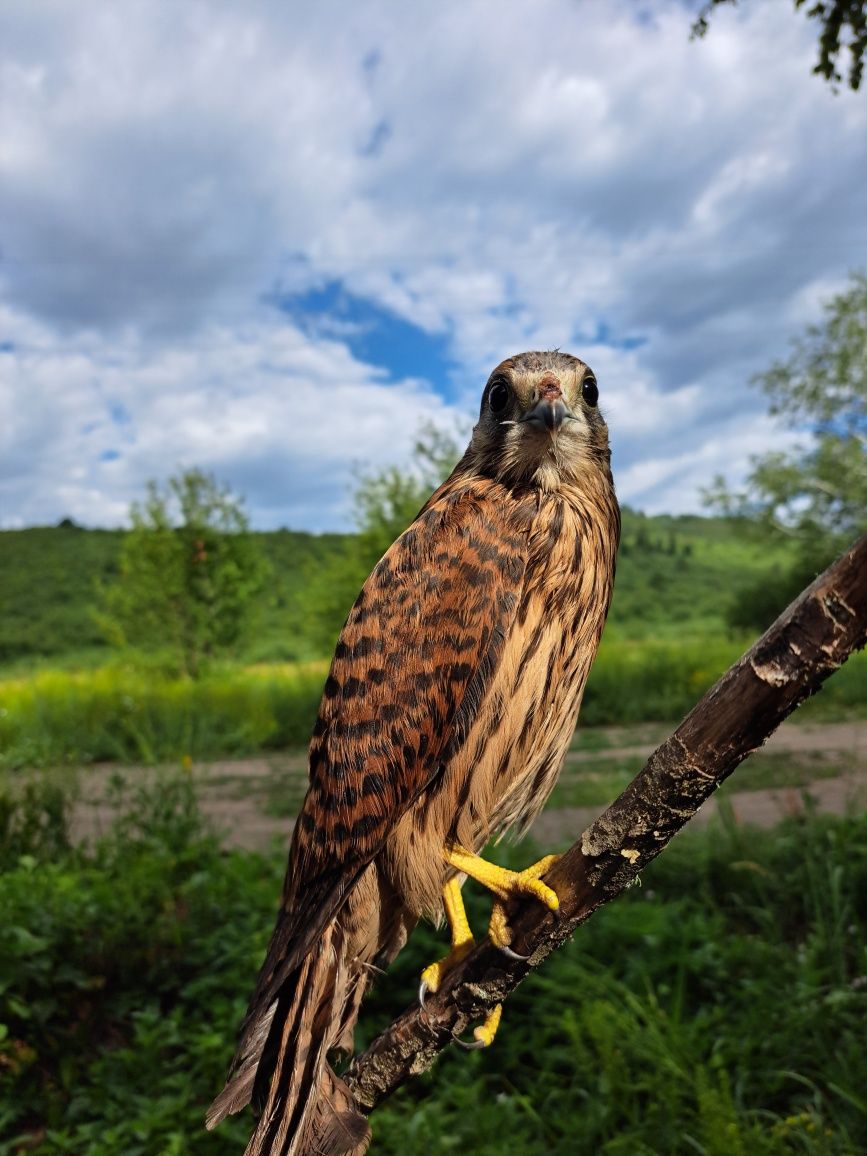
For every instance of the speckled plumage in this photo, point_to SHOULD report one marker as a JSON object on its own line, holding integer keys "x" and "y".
{"x": 450, "y": 704}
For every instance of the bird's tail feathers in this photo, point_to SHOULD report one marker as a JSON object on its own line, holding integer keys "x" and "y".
{"x": 303, "y": 1107}
{"x": 239, "y": 1085}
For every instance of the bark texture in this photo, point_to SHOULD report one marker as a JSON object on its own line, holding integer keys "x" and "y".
{"x": 807, "y": 643}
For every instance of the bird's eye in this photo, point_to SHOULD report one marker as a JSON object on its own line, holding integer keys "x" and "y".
{"x": 590, "y": 391}
{"x": 498, "y": 398}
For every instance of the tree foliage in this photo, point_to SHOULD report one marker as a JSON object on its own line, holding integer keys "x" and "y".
{"x": 842, "y": 25}
{"x": 189, "y": 572}
{"x": 385, "y": 502}
{"x": 818, "y": 491}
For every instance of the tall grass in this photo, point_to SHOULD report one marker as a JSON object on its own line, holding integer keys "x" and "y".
{"x": 128, "y": 716}
{"x": 116, "y": 713}
{"x": 718, "y": 1009}
{"x": 647, "y": 681}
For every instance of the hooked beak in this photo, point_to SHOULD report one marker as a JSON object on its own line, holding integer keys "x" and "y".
{"x": 548, "y": 413}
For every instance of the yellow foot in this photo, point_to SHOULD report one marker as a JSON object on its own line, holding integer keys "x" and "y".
{"x": 462, "y": 940}
{"x": 433, "y": 974}
{"x": 505, "y": 885}
{"x": 484, "y": 1033}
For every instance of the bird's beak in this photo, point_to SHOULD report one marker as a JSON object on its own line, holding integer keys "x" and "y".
{"x": 548, "y": 413}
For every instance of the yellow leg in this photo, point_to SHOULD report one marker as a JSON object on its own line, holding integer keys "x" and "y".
{"x": 462, "y": 945}
{"x": 462, "y": 938}
{"x": 505, "y": 884}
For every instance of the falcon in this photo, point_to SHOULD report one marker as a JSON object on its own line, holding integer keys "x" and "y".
{"x": 450, "y": 704}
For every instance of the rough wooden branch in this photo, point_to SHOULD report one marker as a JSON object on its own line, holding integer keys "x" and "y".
{"x": 809, "y": 641}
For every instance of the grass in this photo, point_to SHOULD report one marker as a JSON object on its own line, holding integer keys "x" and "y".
{"x": 48, "y": 579}
{"x": 634, "y": 681}
{"x": 677, "y": 575}
{"x": 63, "y": 699}
{"x": 49, "y": 585}
{"x": 681, "y": 1018}
{"x": 717, "y": 1009}
{"x": 596, "y": 783}
{"x": 767, "y": 770}
{"x": 126, "y": 715}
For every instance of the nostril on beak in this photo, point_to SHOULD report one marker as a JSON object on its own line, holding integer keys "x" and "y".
{"x": 549, "y": 388}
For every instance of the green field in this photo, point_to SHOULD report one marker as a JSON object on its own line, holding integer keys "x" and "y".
{"x": 50, "y": 579}
{"x": 126, "y": 715}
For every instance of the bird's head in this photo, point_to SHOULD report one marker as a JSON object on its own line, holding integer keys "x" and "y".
{"x": 540, "y": 421}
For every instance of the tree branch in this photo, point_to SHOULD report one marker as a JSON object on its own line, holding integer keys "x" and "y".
{"x": 808, "y": 642}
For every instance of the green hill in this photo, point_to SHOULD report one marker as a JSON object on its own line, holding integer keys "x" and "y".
{"x": 49, "y": 576}
{"x": 675, "y": 577}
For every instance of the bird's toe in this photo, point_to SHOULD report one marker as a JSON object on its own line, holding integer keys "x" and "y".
{"x": 483, "y": 1035}
{"x": 433, "y": 974}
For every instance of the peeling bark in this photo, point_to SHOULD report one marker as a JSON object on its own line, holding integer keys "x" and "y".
{"x": 808, "y": 642}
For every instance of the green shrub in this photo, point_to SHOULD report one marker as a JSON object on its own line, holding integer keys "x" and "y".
{"x": 718, "y": 1009}
{"x": 34, "y": 821}
{"x": 123, "y": 973}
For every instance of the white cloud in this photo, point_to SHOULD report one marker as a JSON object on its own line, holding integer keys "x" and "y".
{"x": 555, "y": 173}
{"x": 281, "y": 416}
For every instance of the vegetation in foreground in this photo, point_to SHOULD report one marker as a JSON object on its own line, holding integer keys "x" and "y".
{"x": 717, "y": 1009}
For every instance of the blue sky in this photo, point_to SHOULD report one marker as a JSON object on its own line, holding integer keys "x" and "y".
{"x": 271, "y": 239}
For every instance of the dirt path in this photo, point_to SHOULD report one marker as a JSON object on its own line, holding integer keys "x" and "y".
{"x": 848, "y": 737}
{"x": 252, "y": 800}
{"x": 762, "y": 808}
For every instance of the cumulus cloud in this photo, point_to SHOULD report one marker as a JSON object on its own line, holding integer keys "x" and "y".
{"x": 283, "y": 417}
{"x": 176, "y": 180}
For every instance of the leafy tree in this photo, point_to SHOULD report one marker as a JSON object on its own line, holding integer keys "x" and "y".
{"x": 816, "y": 493}
{"x": 189, "y": 572}
{"x": 842, "y": 24}
{"x": 385, "y": 502}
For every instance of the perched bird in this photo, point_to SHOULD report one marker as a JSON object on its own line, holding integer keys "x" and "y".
{"x": 450, "y": 704}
